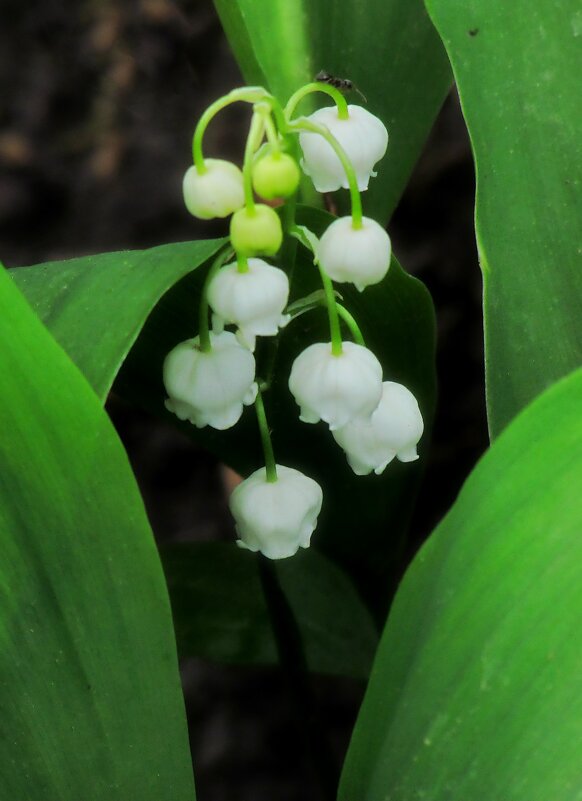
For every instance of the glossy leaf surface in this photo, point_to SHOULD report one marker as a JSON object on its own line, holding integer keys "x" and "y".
{"x": 220, "y": 612}
{"x": 90, "y": 699}
{"x": 95, "y": 306}
{"x": 475, "y": 691}
{"x": 388, "y": 48}
{"x": 518, "y": 68}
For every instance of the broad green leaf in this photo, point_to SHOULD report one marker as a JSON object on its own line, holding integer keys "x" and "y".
{"x": 95, "y": 306}
{"x": 364, "y": 519}
{"x": 90, "y": 700}
{"x": 388, "y": 48}
{"x": 220, "y": 612}
{"x": 518, "y": 69}
{"x": 475, "y": 691}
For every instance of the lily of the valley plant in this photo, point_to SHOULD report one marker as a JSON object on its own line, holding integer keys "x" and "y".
{"x": 211, "y": 377}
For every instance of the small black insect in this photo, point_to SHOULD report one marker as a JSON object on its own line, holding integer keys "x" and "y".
{"x": 343, "y": 84}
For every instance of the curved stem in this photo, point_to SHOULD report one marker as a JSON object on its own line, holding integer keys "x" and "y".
{"x": 247, "y": 94}
{"x": 256, "y": 133}
{"x": 332, "y": 312}
{"x": 278, "y": 113}
{"x": 264, "y": 109}
{"x": 270, "y": 466}
{"x": 287, "y": 257}
{"x": 203, "y": 329}
{"x": 303, "y": 124}
{"x": 309, "y": 88}
{"x": 351, "y": 323}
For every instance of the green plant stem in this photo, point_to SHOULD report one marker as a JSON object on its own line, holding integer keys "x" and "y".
{"x": 309, "y": 88}
{"x": 242, "y": 263}
{"x": 303, "y": 124}
{"x": 332, "y": 313}
{"x": 246, "y": 94}
{"x": 279, "y": 114}
{"x": 265, "y": 110}
{"x": 254, "y": 138}
{"x": 287, "y": 256}
{"x": 270, "y": 466}
{"x": 203, "y": 328}
{"x": 351, "y": 323}
{"x": 294, "y": 666}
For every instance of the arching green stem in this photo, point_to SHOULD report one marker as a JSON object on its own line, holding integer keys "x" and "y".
{"x": 332, "y": 313}
{"x": 279, "y": 114}
{"x": 351, "y": 323}
{"x": 270, "y": 466}
{"x": 265, "y": 110}
{"x": 309, "y": 88}
{"x": 254, "y": 139}
{"x": 303, "y": 124}
{"x": 247, "y": 94}
{"x": 203, "y": 329}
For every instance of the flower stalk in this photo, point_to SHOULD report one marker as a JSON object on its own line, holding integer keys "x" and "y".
{"x": 351, "y": 323}
{"x": 317, "y": 86}
{"x": 246, "y": 94}
{"x": 332, "y": 313}
{"x": 266, "y": 441}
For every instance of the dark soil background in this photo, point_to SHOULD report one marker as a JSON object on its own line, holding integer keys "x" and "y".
{"x": 98, "y": 103}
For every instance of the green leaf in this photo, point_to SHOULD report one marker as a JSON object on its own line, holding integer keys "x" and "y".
{"x": 220, "y": 612}
{"x": 364, "y": 519}
{"x": 388, "y": 48}
{"x": 518, "y": 69}
{"x": 90, "y": 700}
{"x": 475, "y": 692}
{"x": 95, "y": 306}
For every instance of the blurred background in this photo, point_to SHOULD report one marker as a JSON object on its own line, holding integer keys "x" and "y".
{"x": 98, "y": 99}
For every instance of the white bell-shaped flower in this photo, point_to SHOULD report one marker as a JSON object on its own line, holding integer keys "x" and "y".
{"x": 363, "y": 137}
{"x": 216, "y": 192}
{"x": 253, "y": 300}
{"x": 360, "y": 256}
{"x": 393, "y": 430}
{"x": 279, "y": 517}
{"x": 336, "y": 389}
{"x": 209, "y": 388}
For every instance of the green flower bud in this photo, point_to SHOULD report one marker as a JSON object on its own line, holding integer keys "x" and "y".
{"x": 276, "y": 175}
{"x": 256, "y": 232}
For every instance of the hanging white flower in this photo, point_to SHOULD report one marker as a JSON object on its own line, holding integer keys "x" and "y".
{"x": 279, "y": 517}
{"x": 209, "y": 388}
{"x": 393, "y": 430}
{"x": 336, "y": 389}
{"x": 216, "y": 192}
{"x": 363, "y": 137}
{"x": 253, "y": 300}
{"x": 360, "y": 256}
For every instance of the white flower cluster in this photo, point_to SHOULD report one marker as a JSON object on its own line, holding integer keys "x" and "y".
{"x": 210, "y": 378}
